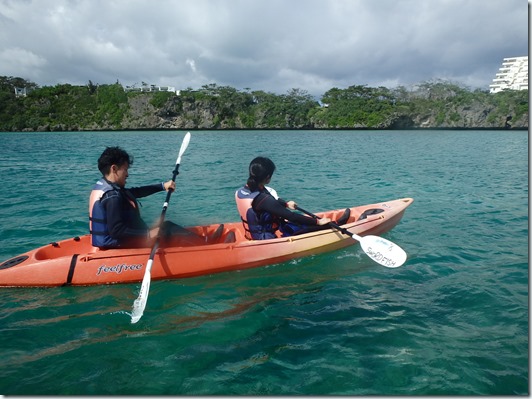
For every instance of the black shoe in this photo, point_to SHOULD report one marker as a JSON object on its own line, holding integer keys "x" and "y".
{"x": 344, "y": 218}
{"x": 369, "y": 212}
{"x": 212, "y": 239}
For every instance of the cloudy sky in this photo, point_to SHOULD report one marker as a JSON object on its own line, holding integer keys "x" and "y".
{"x": 270, "y": 45}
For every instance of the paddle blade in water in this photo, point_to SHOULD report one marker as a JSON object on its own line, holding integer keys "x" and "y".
{"x": 140, "y": 303}
{"x": 382, "y": 251}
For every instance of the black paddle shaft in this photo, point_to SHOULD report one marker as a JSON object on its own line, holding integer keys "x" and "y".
{"x": 163, "y": 213}
{"x": 169, "y": 193}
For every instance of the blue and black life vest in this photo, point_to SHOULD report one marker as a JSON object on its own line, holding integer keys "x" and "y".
{"x": 98, "y": 217}
{"x": 258, "y": 225}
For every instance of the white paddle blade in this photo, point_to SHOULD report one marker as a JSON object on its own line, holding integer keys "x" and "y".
{"x": 382, "y": 251}
{"x": 140, "y": 303}
{"x": 183, "y": 148}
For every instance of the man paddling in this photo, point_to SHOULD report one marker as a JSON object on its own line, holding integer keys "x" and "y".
{"x": 114, "y": 215}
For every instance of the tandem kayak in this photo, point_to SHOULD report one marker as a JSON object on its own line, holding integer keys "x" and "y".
{"x": 75, "y": 261}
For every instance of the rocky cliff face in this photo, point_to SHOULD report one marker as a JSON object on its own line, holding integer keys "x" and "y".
{"x": 204, "y": 115}
{"x": 143, "y": 115}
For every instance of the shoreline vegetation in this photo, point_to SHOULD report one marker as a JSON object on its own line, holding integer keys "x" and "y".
{"x": 438, "y": 105}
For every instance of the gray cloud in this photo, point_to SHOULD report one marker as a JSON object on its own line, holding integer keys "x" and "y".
{"x": 271, "y": 45}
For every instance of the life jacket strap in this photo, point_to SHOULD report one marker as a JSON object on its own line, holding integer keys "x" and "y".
{"x": 246, "y": 228}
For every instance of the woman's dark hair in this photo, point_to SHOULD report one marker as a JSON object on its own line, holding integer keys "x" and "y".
{"x": 260, "y": 169}
{"x": 113, "y": 156}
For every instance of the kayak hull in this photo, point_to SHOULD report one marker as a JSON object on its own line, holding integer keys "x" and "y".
{"x": 75, "y": 261}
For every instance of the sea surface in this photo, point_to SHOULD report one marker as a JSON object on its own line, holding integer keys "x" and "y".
{"x": 453, "y": 320}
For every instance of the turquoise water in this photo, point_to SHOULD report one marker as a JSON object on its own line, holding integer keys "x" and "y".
{"x": 453, "y": 320}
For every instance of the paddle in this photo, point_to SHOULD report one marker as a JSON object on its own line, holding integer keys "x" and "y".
{"x": 140, "y": 303}
{"x": 382, "y": 251}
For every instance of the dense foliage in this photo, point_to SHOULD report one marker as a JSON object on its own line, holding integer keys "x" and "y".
{"x": 63, "y": 106}
{"x": 108, "y": 106}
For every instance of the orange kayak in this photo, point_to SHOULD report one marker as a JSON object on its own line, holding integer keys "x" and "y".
{"x": 75, "y": 261}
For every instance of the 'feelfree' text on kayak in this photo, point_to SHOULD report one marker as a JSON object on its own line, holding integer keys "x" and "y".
{"x": 118, "y": 268}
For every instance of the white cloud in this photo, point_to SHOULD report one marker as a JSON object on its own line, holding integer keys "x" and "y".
{"x": 17, "y": 61}
{"x": 191, "y": 64}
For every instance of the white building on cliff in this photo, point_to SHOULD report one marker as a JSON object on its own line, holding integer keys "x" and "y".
{"x": 513, "y": 75}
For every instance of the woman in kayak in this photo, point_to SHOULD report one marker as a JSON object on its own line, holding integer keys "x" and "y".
{"x": 114, "y": 215}
{"x": 263, "y": 213}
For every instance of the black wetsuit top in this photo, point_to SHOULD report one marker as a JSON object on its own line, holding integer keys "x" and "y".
{"x": 265, "y": 202}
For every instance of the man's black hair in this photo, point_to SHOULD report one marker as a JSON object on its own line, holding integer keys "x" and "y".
{"x": 113, "y": 156}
